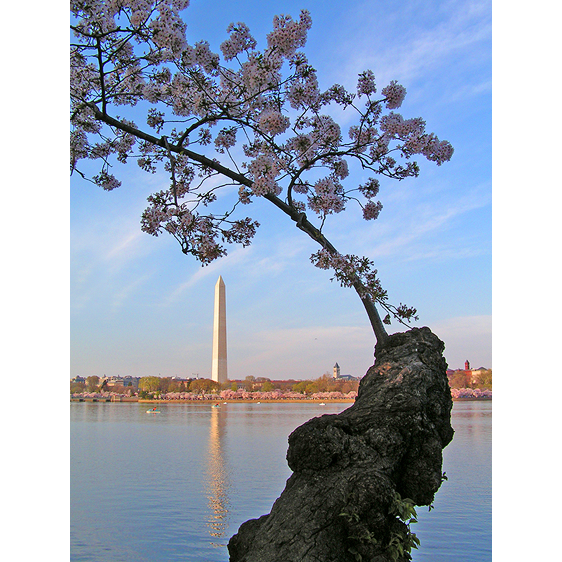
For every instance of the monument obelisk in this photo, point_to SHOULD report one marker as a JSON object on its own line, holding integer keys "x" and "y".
{"x": 219, "y": 371}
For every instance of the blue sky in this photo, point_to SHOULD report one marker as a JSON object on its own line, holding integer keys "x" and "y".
{"x": 138, "y": 306}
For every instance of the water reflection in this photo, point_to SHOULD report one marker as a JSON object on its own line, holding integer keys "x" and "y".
{"x": 218, "y": 480}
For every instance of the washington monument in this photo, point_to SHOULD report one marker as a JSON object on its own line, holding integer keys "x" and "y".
{"x": 219, "y": 371}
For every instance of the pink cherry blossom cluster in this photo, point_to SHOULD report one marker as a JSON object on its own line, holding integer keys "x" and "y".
{"x": 457, "y": 393}
{"x": 359, "y": 273}
{"x": 228, "y": 394}
{"x": 371, "y": 210}
{"x": 79, "y": 147}
{"x": 202, "y": 55}
{"x": 288, "y": 35}
{"x": 244, "y": 195}
{"x": 263, "y": 170}
{"x": 394, "y": 94}
{"x": 106, "y": 180}
{"x": 366, "y": 83}
{"x": 241, "y": 232}
{"x": 303, "y": 91}
{"x": 240, "y": 40}
{"x": 338, "y": 94}
{"x": 168, "y": 29}
{"x": 197, "y": 234}
{"x": 395, "y": 124}
{"x": 162, "y": 213}
{"x": 365, "y": 138}
{"x": 325, "y": 131}
{"x": 324, "y": 136}
{"x": 350, "y": 269}
{"x": 155, "y": 119}
{"x": 225, "y": 139}
{"x": 202, "y": 242}
{"x": 417, "y": 141}
{"x": 328, "y": 197}
{"x": 339, "y": 167}
{"x": 256, "y": 77}
{"x": 302, "y": 147}
{"x": 371, "y": 188}
{"x": 272, "y": 122}
{"x": 436, "y": 150}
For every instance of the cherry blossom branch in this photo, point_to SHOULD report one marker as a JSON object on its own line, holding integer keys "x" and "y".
{"x": 299, "y": 218}
{"x": 123, "y": 55}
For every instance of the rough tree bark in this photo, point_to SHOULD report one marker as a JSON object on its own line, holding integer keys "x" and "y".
{"x": 339, "y": 504}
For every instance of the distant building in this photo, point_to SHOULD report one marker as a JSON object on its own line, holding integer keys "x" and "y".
{"x": 338, "y": 376}
{"x": 476, "y": 373}
{"x": 336, "y": 371}
{"x": 78, "y": 378}
{"x": 470, "y": 374}
{"x": 128, "y": 380}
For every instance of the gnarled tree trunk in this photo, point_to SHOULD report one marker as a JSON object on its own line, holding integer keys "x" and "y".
{"x": 348, "y": 469}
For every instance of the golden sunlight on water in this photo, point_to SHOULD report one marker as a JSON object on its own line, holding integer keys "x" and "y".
{"x": 218, "y": 483}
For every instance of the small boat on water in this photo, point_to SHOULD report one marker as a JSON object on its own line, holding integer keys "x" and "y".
{"x": 153, "y": 411}
{"x": 216, "y": 406}
{"x": 321, "y": 404}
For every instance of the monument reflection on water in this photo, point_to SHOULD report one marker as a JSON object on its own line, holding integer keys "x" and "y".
{"x": 175, "y": 486}
{"x": 218, "y": 481}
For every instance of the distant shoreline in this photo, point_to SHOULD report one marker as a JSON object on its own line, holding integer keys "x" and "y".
{"x": 206, "y": 401}
{"x": 473, "y": 399}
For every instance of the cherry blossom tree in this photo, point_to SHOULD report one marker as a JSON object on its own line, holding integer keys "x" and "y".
{"x": 201, "y": 109}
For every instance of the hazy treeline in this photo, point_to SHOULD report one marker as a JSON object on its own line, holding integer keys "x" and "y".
{"x": 151, "y": 386}
{"x": 465, "y": 379}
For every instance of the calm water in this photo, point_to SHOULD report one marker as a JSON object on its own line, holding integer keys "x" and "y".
{"x": 177, "y": 485}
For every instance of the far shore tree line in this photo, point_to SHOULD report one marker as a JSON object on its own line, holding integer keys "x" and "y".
{"x": 467, "y": 379}
{"x": 152, "y": 386}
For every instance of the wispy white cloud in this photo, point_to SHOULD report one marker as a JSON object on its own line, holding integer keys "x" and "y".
{"x": 101, "y": 256}
{"x": 126, "y": 246}
{"x": 470, "y": 90}
{"x": 434, "y": 47}
{"x": 426, "y": 221}
{"x": 109, "y": 242}
{"x": 232, "y": 260}
{"x": 259, "y": 261}
{"x": 415, "y": 218}
{"x": 279, "y": 255}
{"x": 463, "y": 28}
{"x": 126, "y": 291}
